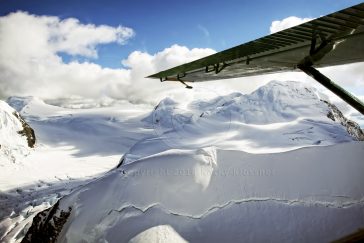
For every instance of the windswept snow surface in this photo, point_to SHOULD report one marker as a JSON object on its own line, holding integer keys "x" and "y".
{"x": 74, "y": 143}
{"x": 254, "y": 167}
{"x": 207, "y": 195}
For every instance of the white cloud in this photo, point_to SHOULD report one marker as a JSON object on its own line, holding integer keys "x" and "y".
{"x": 44, "y": 35}
{"x": 30, "y": 63}
{"x": 286, "y": 23}
{"x": 142, "y": 64}
{"x": 74, "y": 38}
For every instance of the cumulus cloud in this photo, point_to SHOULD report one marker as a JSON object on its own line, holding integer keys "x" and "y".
{"x": 286, "y": 23}
{"x": 74, "y": 38}
{"x": 141, "y": 64}
{"x": 30, "y": 63}
{"x": 43, "y": 35}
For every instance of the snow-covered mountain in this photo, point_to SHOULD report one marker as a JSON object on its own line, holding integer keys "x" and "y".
{"x": 75, "y": 144}
{"x": 16, "y": 136}
{"x": 204, "y": 171}
{"x": 276, "y": 102}
{"x": 277, "y": 117}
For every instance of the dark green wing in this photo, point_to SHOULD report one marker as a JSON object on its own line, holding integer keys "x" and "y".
{"x": 330, "y": 40}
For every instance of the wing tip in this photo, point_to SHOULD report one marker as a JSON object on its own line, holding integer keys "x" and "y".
{"x": 154, "y": 76}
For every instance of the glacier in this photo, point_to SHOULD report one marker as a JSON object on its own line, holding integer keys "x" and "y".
{"x": 280, "y": 164}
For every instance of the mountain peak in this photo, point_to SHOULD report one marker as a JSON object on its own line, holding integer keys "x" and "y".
{"x": 277, "y": 102}
{"x": 16, "y": 136}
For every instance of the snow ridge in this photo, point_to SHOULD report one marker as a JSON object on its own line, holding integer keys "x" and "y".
{"x": 307, "y": 203}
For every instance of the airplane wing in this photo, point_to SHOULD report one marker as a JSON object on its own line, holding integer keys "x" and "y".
{"x": 282, "y": 51}
{"x": 330, "y": 40}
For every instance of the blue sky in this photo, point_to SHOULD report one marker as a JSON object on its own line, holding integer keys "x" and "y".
{"x": 159, "y": 24}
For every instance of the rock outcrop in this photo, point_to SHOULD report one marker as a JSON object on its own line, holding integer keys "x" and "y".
{"x": 47, "y": 225}
{"x": 352, "y": 127}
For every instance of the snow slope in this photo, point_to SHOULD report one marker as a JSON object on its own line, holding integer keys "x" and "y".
{"x": 73, "y": 143}
{"x": 208, "y": 195}
{"x": 198, "y": 170}
{"x": 73, "y": 147}
{"x": 209, "y": 174}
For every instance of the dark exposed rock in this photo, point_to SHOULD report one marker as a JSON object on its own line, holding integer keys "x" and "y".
{"x": 357, "y": 236}
{"x": 47, "y": 225}
{"x": 352, "y": 127}
{"x": 27, "y": 131}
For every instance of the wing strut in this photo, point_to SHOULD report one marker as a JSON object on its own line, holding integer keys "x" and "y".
{"x": 187, "y": 86}
{"x": 335, "y": 88}
{"x": 316, "y": 54}
{"x": 177, "y": 79}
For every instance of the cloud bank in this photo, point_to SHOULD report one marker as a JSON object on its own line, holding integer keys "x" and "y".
{"x": 31, "y": 64}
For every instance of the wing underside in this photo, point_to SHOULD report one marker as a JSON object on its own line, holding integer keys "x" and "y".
{"x": 330, "y": 40}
